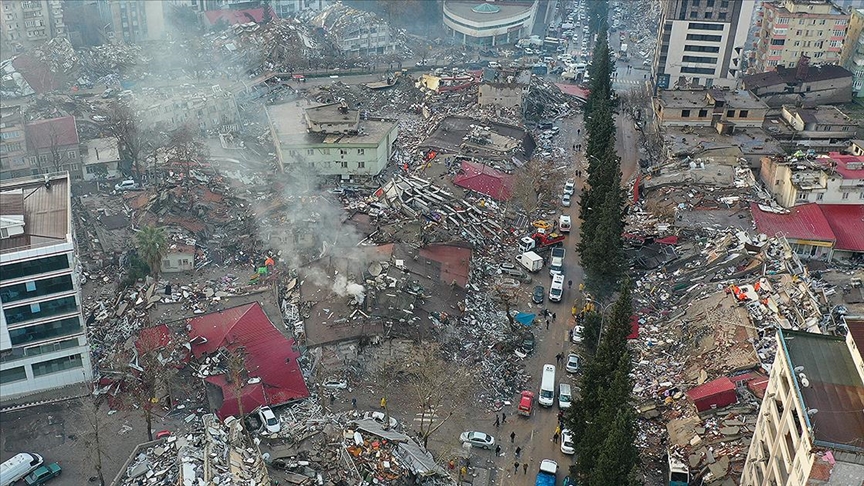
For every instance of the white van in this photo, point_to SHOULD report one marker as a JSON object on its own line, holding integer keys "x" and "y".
{"x": 18, "y": 466}
{"x": 556, "y": 291}
{"x": 564, "y": 223}
{"x": 565, "y": 396}
{"x": 547, "y": 386}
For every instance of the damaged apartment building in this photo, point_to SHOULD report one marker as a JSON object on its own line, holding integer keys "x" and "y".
{"x": 213, "y": 109}
{"x": 331, "y": 139}
{"x": 355, "y": 32}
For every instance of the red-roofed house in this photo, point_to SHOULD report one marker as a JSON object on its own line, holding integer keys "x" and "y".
{"x": 833, "y": 179}
{"x": 52, "y": 146}
{"x": 714, "y": 394}
{"x": 819, "y": 231}
{"x": 273, "y": 376}
{"x": 234, "y": 17}
{"x": 485, "y": 180}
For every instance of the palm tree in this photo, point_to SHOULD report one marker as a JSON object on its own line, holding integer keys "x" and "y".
{"x": 152, "y": 246}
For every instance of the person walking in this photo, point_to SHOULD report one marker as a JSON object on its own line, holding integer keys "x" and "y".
{"x": 518, "y": 451}
{"x": 512, "y": 437}
{"x": 497, "y": 421}
{"x": 498, "y": 450}
{"x": 554, "y": 316}
{"x": 559, "y": 357}
{"x": 383, "y": 402}
{"x": 503, "y": 418}
{"x": 569, "y": 284}
{"x": 354, "y": 403}
{"x": 555, "y": 436}
{"x": 515, "y": 467}
{"x": 547, "y": 324}
{"x": 525, "y": 467}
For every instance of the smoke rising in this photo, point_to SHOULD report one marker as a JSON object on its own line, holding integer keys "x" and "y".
{"x": 343, "y": 288}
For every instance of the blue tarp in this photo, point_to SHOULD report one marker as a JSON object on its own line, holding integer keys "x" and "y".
{"x": 525, "y": 319}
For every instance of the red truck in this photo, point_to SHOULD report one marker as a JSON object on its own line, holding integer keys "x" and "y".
{"x": 540, "y": 241}
{"x": 526, "y": 403}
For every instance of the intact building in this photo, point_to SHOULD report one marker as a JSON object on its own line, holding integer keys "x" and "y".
{"x": 28, "y": 24}
{"x": 134, "y": 20}
{"x": 489, "y": 23}
{"x": 52, "y": 146}
{"x": 852, "y": 56}
{"x": 721, "y": 109}
{"x": 331, "y": 139}
{"x": 43, "y": 340}
{"x": 13, "y": 144}
{"x": 803, "y": 85}
{"x": 792, "y": 29}
{"x": 810, "y": 428}
{"x": 833, "y": 179}
{"x": 701, "y": 42}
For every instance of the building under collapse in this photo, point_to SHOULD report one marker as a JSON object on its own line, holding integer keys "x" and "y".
{"x": 355, "y": 32}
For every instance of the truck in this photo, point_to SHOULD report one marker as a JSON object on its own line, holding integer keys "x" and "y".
{"x": 531, "y": 261}
{"x": 556, "y": 261}
{"x": 622, "y": 52}
{"x": 541, "y": 240}
{"x": 679, "y": 475}
{"x": 546, "y": 475}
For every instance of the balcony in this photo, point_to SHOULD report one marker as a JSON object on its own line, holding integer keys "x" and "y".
{"x": 31, "y": 6}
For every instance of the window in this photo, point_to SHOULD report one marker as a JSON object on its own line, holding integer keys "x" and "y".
{"x": 783, "y": 20}
{"x": 704, "y": 26}
{"x": 704, "y": 37}
{"x": 709, "y": 3}
{"x": 361, "y": 165}
{"x": 30, "y": 289}
{"x": 797, "y": 44}
{"x": 34, "y": 267}
{"x": 700, "y": 59}
{"x": 861, "y": 195}
{"x": 802, "y": 196}
{"x": 778, "y": 42}
{"x": 342, "y": 151}
{"x": 310, "y": 151}
{"x": 721, "y": 16}
{"x": 13, "y": 374}
{"x": 845, "y": 196}
{"x": 695, "y": 3}
{"x": 839, "y": 33}
{"x": 325, "y": 151}
{"x": 41, "y": 310}
{"x": 344, "y": 164}
{"x": 57, "y": 365}
{"x": 708, "y": 15}
{"x": 703, "y": 113}
{"x": 685, "y": 113}
{"x": 693, "y": 15}
{"x": 361, "y": 151}
{"x": 701, "y": 49}
{"x": 696, "y": 70}
{"x": 743, "y": 113}
{"x": 819, "y": 196}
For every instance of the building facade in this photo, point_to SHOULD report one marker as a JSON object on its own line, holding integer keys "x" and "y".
{"x": 53, "y": 146}
{"x": 810, "y": 428}
{"x": 134, "y": 20}
{"x": 208, "y": 110}
{"x": 852, "y": 56}
{"x": 701, "y": 42}
{"x": 101, "y": 159}
{"x": 43, "y": 340}
{"x": 792, "y": 29}
{"x": 28, "y": 24}
{"x": 355, "y": 32}
{"x": 722, "y": 109}
{"x": 330, "y": 140}
{"x": 832, "y": 179}
{"x": 505, "y": 95}
{"x": 489, "y": 24}
{"x": 13, "y": 144}
{"x": 803, "y": 85}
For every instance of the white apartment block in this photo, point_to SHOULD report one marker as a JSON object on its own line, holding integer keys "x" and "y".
{"x": 43, "y": 339}
{"x": 810, "y": 429}
{"x": 701, "y": 42}
{"x": 27, "y": 24}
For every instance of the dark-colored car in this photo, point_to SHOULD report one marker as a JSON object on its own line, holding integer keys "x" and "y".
{"x": 527, "y": 343}
{"x": 43, "y": 474}
{"x": 539, "y": 294}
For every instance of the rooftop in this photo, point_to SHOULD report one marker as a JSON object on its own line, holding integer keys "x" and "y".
{"x": 232, "y": 17}
{"x": 823, "y": 114}
{"x": 805, "y": 222}
{"x": 848, "y": 166}
{"x": 100, "y": 151}
{"x": 479, "y": 11}
{"x": 54, "y": 132}
{"x": 333, "y": 113}
{"x": 45, "y": 206}
{"x": 700, "y": 98}
{"x": 453, "y": 135}
{"x": 783, "y": 75}
{"x": 834, "y": 395}
{"x": 847, "y": 222}
{"x": 289, "y": 124}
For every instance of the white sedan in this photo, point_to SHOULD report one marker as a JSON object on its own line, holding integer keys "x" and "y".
{"x": 577, "y": 334}
{"x": 567, "y": 446}
{"x": 565, "y": 201}
{"x": 478, "y": 439}
{"x": 268, "y": 418}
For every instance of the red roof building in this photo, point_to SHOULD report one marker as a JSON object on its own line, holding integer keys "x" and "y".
{"x": 234, "y": 17}
{"x": 848, "y": 166}
{"x": 824, "y": 228}
{"x": 58, "y": 132}
{"x": 485, "y": 180}
{"x": 718, "y": 393}
{"x": 847, "y": 222}
{"x": 273, "y": 374}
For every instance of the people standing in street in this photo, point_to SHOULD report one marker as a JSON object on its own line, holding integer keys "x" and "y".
{"x": 497, "y": 421}
{"x": 555, "y": 436}
{"x": 559, "y": 357}
{"x": 547, "y": 324}
{"x": 503, "y": 418}
{"x": 498, "y": 450}
{"x": 512, "y": 437}
{"x": 525, "y": 467}
{"x": 515, "y": 467}
{"x": 518, "y": 451}
{"x": 554, "y": 316}
{"x": 354, "y": 403}
{"x": 383, "y": 402}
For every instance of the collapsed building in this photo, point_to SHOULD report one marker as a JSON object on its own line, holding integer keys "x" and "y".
{"x": 355, "y": 32}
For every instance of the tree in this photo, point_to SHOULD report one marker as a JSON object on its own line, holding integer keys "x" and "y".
{"x": 185, "y": 150}
{"x": 591, "y": 330}
{"x": 237, "y": 373}
{"x": 603, "y": 255}
{"x": 152, "y": 246}
{"x": 534, "y": 185}
{"x": 90, "y": 407}
{"x": 54, "y": 147}
{"x": 131, "y": 141}
{"x": 435, "y": 386}
{"x": 507, "y": 296}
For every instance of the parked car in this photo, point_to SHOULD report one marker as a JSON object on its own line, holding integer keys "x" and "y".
{"x": 381, "y": 418}
{"x": 477, "y": 439}
{"x": 565, "y": 200}
{"x": 577, "y": 334}
{"x": 527, "y": 342}
{"x": 43, "y": 474}
{"x": 99, "y": 118}
{"x": 268, "y": 418}
{"x": 569, "y": 188}
{"x": 539, "y": 294}
{"x": 335, "y": 384}
{"x": 512, "y": 270}
{"x": 567, "y": 446}
{"x": 127, "y": 185}
{"x": 572, "y": 363}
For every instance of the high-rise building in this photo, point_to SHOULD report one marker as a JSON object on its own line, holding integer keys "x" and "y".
{"x": 810, "y": 428}
{"x": 701, "y": 42}
{"x": 43, "y": 338}
{"x": 134, "y": 20}
{"x": 792, "y": 29}
{"x": 852, "y": 56}
{"x": 27, "y": 24}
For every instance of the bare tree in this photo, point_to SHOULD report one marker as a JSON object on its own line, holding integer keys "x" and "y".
{"x": 132, "y": 141}
{"x": 53, "y": 136}
{"x": 435, "y": 386}
{"x": 507, "y": 296}
{"x": 534, "y": 185}
{"x": 185, "y": 150}
{"x": 90, "y": 409}
{"x": 237, "y": 374}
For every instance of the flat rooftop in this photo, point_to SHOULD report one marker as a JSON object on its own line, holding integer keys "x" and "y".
{"x": 835, "y": 389}
{"x": 44, "y": 202}
{"x": 695, "y": 140}
{"x": 699, "y": 98}
{"x": 469, "y": 11}
{"x": 289, "y": 123}
{"x": 330, "y": 113}
{"x": 822, "y": 114}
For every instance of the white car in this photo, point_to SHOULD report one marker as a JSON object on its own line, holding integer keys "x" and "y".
{"x": 577, "y": 334}
{"x": 572, "y": 363}
{"x": 565, "y": 200}
{"x": 269, "y": 420}
{"x": 567, "y": 446}
{"x": 335, "y": 384}
{"x": 127, "y": 185}
{"x": 569, "y": 188}
{"x": 477, "y": 439}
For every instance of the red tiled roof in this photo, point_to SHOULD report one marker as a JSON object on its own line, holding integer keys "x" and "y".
{"x": 847, "y": 221}
{"x": 572, "y": 89}
{"x": 719, "y": 392}
{"x": 42, "y": 134}
{"x": 269, "y": 356}
{"x": 842, "y": 167}
{"x": 233, "y": 17}
{"x": 856, "y": 329}
{"x": 485, "y": 180}
{"x": 37, "y": 73}
{"x": 805, "y": 222}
